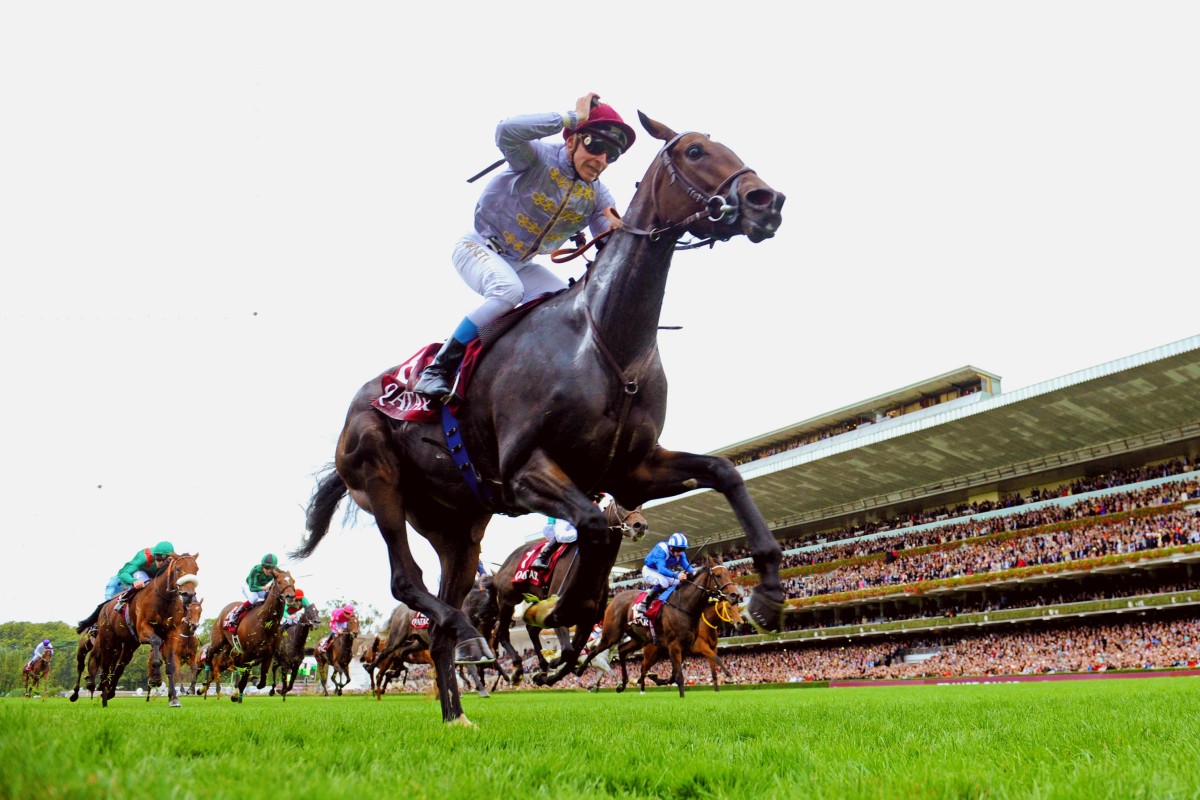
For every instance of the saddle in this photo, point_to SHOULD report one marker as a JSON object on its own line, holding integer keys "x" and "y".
{"x": 396, "y": 398}
{"x": 525, "y": 572}
{"x": 124, "y": 597}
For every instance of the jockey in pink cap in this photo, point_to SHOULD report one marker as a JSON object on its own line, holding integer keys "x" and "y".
{"x": 546, "y": 194}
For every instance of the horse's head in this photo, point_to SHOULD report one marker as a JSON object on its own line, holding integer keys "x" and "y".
{"x": 719, "y": 582}
{"x": 192, "y": 610}
{"x": 311, "y": 615}
{"x": 182, "y": 578}
{"x": 353, "y": 625}
{"x": 284, "y": 586}
{"x": 631, "y": 524}
{"x": 701, "y": 186}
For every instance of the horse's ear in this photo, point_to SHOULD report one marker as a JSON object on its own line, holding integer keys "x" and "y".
{"x": 656, "y": 129}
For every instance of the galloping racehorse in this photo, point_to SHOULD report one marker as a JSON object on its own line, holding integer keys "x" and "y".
{"x": 146, "y": 618}
{"x": 181, "y": 647}
{"x": 39, "y": 669}
{"x": 289, "y": 654}
{"x": 674, "y": 626}
{"x": 704, "y": 643}
{"x": 509, "y": 594}
{"x": 568, "y": 403}
{"x": 257, "y": 637}
{"x": 337, "y": 655}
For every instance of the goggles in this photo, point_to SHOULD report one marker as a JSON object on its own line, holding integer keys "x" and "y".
{"x": 597, "y": 145}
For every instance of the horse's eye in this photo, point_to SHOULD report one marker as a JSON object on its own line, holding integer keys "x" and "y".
{"x": 695, "y": 151}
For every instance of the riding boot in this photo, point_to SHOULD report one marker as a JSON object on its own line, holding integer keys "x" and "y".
{"x": 542, "y": 562}
{"x": 437, "y": 379}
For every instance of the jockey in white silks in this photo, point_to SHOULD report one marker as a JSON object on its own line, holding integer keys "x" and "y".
{"x": 555, "y": 532}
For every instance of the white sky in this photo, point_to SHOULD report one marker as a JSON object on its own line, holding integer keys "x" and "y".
{"x": 218, "y": 220}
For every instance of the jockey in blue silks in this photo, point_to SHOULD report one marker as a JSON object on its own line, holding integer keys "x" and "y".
{"x": 665, "y": 566}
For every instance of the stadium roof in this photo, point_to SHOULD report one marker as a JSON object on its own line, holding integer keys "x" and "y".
{"x": 1145, "y": 406}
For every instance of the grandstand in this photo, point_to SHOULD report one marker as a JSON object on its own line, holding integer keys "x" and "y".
{"x": 951, "y": 476}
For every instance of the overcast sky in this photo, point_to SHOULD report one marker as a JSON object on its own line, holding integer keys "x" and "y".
{"x": 218, "y": 220}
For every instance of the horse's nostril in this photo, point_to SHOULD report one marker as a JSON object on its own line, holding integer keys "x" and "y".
{"x": 761, "y": 198}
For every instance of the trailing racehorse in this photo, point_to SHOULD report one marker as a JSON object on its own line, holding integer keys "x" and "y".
{"x": 181, "y": 647}
{"x": 337, "y": 655}
{"x": 256, "y": 639}
{"x": 564, "y": 570}
{"x": 674, "y": 625}
{"x": 707, "y": 635}
{"x": 39, "y": 669}
{"x": 483, "y": 611}
{"x": 146, "y": 616}
{"x": 568, "y": 403}
{"x": 290, "y": 652}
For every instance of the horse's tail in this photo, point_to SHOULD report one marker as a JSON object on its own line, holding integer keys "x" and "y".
{"x": 329, "y": 492}
{"x": 91, "y": 619}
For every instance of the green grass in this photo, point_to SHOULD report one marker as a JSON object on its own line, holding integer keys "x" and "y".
{"x": 1086, "y": 739}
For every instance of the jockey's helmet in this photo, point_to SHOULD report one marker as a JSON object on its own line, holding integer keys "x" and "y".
{"x": 270, "y": 561}
{"x": 163, "y": 548}
{"x": 348, "y": 609}
{"x": 677, "y": 540}
{"x": 46, "y": 642}
{"x": 605, "y": 122}
{"x": 299, "y": 594}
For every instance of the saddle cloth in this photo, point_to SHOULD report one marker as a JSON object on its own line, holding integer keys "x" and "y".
{"x": 525, "y": 571}
{"x": 396, "y": 398}
{"x": 651, "y": 612}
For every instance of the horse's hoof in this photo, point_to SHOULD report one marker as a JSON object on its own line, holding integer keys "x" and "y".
{"x": 539, "y": 679}
{"x": 473, "y": 651}
{"x": 175, "y": 703}
{"x": 765, "y": 614}
{"x": 484, "y": 693}
{"x": 461, "y": 721}
{"x": 74, "y": 696}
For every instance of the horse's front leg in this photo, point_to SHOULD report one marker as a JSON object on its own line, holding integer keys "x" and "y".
{"x": 676, "y": 652}
{"x": 665, "y": 473}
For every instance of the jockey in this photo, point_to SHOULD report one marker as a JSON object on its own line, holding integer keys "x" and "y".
{"x": 666, "y": 565}
{"x": 339, "y": 622}
{"x": 138, "y": 571}
{"x": 43, "y": 647}
{"x": 295, "y": 609}
{"x": 555, "y": 532}
{"x": 261, "y": 576}
{"x": 545, "y": 194}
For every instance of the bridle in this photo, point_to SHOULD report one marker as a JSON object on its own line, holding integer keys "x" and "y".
{"x": 622, "y": 525}
{"x": 715, "y": 207}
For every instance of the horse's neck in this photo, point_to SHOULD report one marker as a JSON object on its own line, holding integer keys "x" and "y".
{"x": 626, "y": 286}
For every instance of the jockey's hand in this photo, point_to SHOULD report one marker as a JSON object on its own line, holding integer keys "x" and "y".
{"x": 583, "y": 107}
{"x": 138, "y": 584}
{"x": 614, "y": 219}
{"x": 683, "y": 576}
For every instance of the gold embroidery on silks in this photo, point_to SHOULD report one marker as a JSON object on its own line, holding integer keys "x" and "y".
{"x": 584, "y": 191}
{"x": 528, "y": 224}
{"x": 543, "y": 202}
{"x": 514, "y": 242}
{"x": 562, "y": 180}
{"x": 572, "y": 218}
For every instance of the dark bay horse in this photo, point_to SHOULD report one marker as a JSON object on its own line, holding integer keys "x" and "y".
{"x": 181, "y": 648}
{"x": 258, "y": 632}
{"x": 674, "y": 627}
{"x": 86, "y": 643}
{"x": 621, "y": 524}
{"x": 147, "y": 618}
{"x": 483, "y": 611}
{"x": 334, "y": 661}
{"x": 290, "y": 652}
{"x": 707, "y": 635}
{"x": 568, "y": 403}
{"x": 40, "y": 668}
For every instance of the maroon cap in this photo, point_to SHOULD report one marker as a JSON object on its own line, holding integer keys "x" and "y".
{"x": 606, "y": 122}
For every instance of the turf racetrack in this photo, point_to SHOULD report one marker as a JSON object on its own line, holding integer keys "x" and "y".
{"x": 1085, "y": 739}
